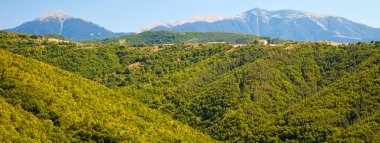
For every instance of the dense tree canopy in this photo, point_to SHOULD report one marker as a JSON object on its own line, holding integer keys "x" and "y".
{"x": 293, "y": 92}
{"x": 41, "y": 103}
{"x": 170, "y": 37}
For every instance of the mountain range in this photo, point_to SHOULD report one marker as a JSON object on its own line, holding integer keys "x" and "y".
{"x": 284, "y": 24}
{"x": 67, "y": 26}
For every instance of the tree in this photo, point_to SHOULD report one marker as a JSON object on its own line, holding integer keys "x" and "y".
{"x": 142, "y": 44}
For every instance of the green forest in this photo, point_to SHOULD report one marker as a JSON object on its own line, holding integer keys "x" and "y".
{"x": 142, "y": 91}
{"x": 170, "y": 37}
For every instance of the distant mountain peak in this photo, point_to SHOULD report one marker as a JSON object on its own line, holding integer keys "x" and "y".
{"x": 257, "y": 11}
{"x": 55, "y": 15}
{"x": 287, "y": 13}
{"x": 156, "y": 24}
{"x": 296, "y": 13}
{"x": 70, "y": 27}
{"x": 285, "y": 24}
{"x": 207, "y": 18}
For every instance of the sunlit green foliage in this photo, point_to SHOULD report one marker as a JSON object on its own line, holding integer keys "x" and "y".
{"x": 41, "y": 103}
{"x": 294, "y": 92}
{"x": 170, "y": 37}
{"x": 55, "y": 36}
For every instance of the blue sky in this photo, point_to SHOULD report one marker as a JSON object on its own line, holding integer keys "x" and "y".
{"x": 132, "y": 15}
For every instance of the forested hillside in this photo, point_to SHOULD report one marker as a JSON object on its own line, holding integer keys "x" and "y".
{"x": 170, "y": 37}
{"x": 293, "y": 92}
{"x": 42, "y": 103}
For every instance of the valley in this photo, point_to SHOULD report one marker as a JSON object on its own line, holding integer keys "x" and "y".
{"x": 111, "y": 92}
{"x": 288, "y": 71}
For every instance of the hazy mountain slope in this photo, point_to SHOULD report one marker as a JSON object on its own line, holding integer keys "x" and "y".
{"x": 44, "y": 103}
{"x": 284, "y": 24}
{"x": 70, "y": 27}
